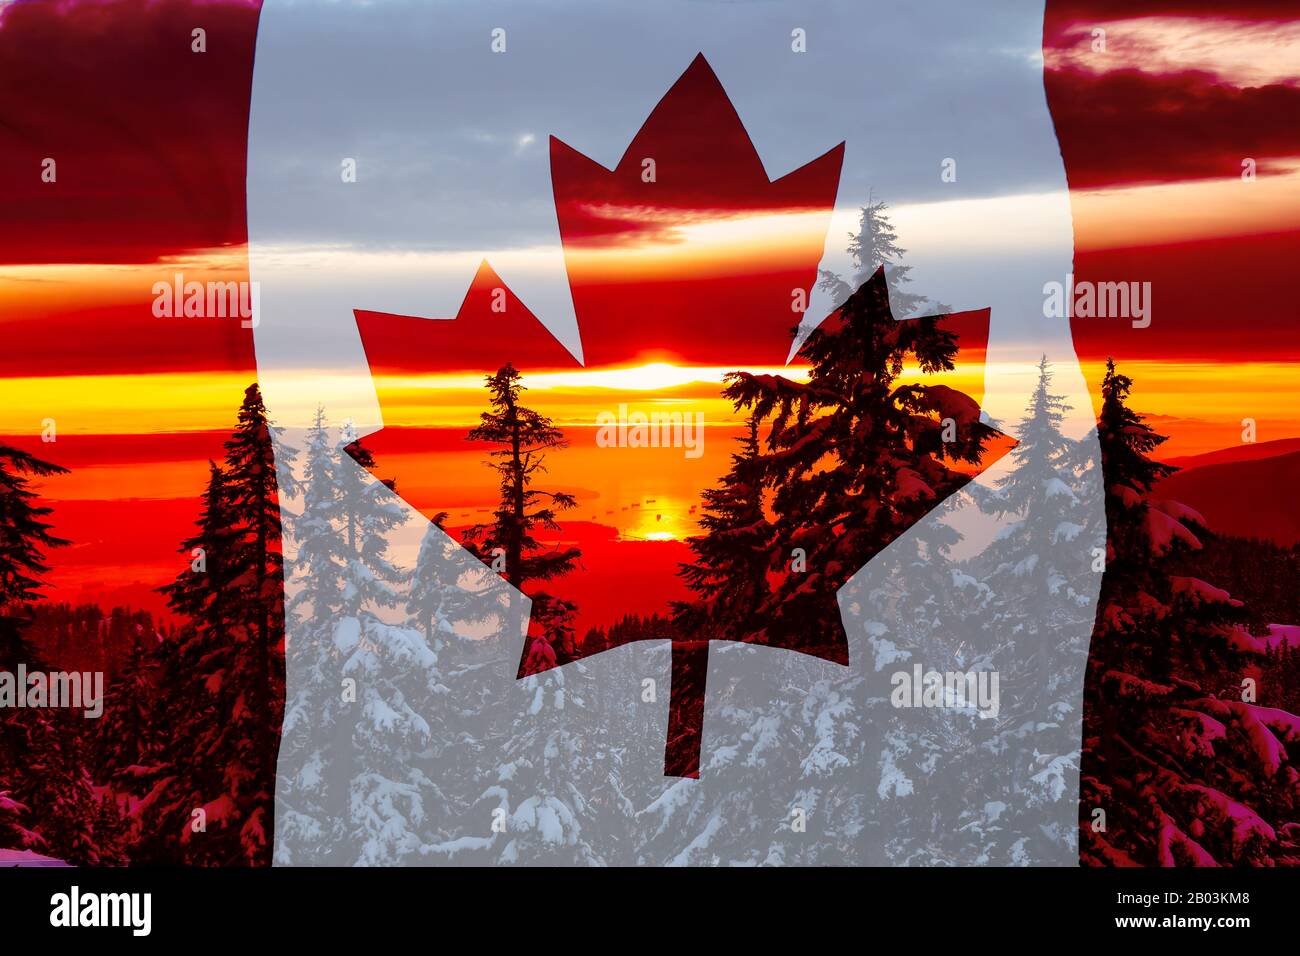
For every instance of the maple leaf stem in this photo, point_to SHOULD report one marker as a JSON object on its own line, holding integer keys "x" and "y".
{"x": 686, "y": 709}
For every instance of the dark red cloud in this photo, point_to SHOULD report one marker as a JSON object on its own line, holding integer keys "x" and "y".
{"x": 729, "y": 310}
{"x": 1217, "y": 299}
{"x": 1214, "y": 300}
{"x": 1129, "y": 126}
{"x": 1065, "y": 11}
{"x": 706, "y": 167}
{"x": 80, "y": 451}
{"x": 150, "y": 141}
{"x": 149, "y": 137}
{"x": 121, "y": 340}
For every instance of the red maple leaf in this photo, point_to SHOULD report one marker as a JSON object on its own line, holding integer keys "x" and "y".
{"x": 692, "y": 164}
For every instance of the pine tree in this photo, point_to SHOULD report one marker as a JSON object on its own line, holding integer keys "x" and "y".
{"x": 509, "y": 544}
{"x": 730, "y": 575}
{"x": 16, "y": 832}
{"x": 368, "y": 510}
{"x": 57, "y": 786}
{"x": 46, "y": 801}
{"x": 216, "y": 789}
{"x": 257, "y": 470}
{"x": 436, "y": 602}
{"x": 544, "y": 783}
{"x": 1044, "y": 549}
{"x": 361, "y": 711}
{"x": 534, "y": 757}
{"x": 740, "y": 812}
{"x": 315, "y": 772}
{"x": 875, "y": 246}
{"x": 1040, "y": 458}
{"x": 27, "y": 738}
{"x": 854, "y": 458}
{"x": 128, "y": 738}
{"x": 25, "y": 537}
{"x": 732, "y": 554}
{"x": 1181, "y": 765}
{"x": 1027, "y": 616}
{"x": 24, "y": 534}
{"x": 204, "y": 591}
{"x": 393, "y": 805}
{"x": 454, "y": 601}
{"x": 478, "y": 712}
{"x": 920, "y": 606}
{"x": 321, "y": 555}
{"x": 199, "y": 668}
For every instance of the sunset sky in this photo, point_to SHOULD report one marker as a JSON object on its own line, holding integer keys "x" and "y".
{"x": 150, "y": 146}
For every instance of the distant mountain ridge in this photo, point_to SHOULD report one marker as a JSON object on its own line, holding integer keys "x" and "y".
{"x": 1242, "y": 452}
{"x": 1242, "y": 496}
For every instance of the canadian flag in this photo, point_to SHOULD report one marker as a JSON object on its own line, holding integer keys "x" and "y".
{"x": 626, "y": 193}
{"x": 629, "y": 193}
{"x": 676, "y": 350}
{"x": 682, "y": 449}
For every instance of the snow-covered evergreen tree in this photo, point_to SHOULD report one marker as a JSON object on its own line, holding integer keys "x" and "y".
{"x": 920, "y": 607}
{"x": 1044, "y": 539}
{"x": 855, "y": 458}
{"x": 875, "y": 246}
{"x": 1182, "y": 764}
{"x": 129, "y": 738}
{"x": 537, "y": 783}
{"x": 392, "y": 802}
{"x": 312, "y": 784}
{"x": 16, "y": 831}
{"x": 542, "y": 784}
{"x": 1038, "y": 617}
{"x": 47, "y": 800}
{"x": 764, "y": 722}
{"x": 352, "y": 791}
{"x": 437, "y": 601}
